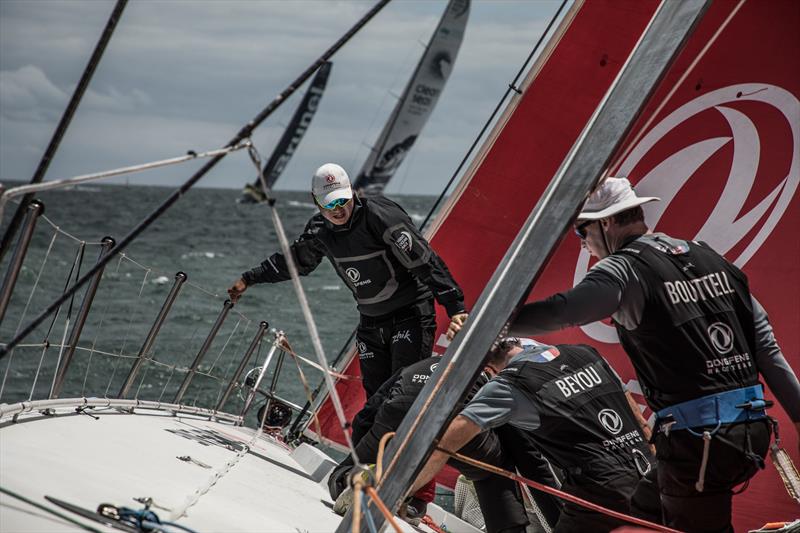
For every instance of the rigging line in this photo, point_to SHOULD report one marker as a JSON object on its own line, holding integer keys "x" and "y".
{"x": 675, "y": 87}
{"x": 27, "y": 305}
{"x": 61, "y": 183}
{"x": 63, "y": 124}
{"x": 65, "y": 233}
{"x": 81, "y": 251}
{"x": 511, "y": 88}
{"x": 128, "y": 328}
{"x": 301, "y": 296}
{"x": 556, "y": 492}
{"x": 49, "y": 330}
{"x": 244, "y": 133}
{"x": 435, "y": 205}
{"x": 233, "y": 332}
{"x": 38, "y": 505}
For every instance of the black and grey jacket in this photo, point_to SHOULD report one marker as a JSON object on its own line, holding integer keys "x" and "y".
{"x": 380, "y": 255}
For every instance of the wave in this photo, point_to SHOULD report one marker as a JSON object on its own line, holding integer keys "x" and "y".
{"x": 206, "y": 255}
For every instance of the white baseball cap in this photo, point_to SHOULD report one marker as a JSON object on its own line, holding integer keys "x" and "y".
{"x": 330, "y": 182}
{"x": 614, "y": 196}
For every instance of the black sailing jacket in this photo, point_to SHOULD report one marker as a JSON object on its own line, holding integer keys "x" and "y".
{"x": 379, "y": 254}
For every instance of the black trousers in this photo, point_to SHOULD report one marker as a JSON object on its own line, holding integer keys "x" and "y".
{"x": 736, "y": 453}
{"x": 612, "y": 489}
{"x": 386, "y": 344}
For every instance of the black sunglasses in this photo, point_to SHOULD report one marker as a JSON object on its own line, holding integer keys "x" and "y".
{"x": 580, "y": 229}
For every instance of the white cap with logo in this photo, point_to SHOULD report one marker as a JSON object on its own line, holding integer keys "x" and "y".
{"x": 614, "y": 196}
{"x": 330, "y": 182}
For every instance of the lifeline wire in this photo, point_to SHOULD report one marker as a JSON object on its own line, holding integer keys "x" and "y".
{"x": 244, "y": 133}
{"x": 301, "y": 296}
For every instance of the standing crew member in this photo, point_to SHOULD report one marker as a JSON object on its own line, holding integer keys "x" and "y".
{"x": 387, "y": 264}
{"x": 698, "y": 341}
{"x": 572, "y": 405}
{"x": 499, "y": 497}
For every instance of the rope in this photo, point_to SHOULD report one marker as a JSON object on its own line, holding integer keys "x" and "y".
{"x": 306, "y": 387}
{"x": 387, "y": 514}
{"x": 555, "y": 492}
{"x": 58, "y": 184}
{"x": 38, "y": 505}
{"x": 244, "y": 133}
{"x": 311, "y": 363}
{"x": 63, "y": 124}
{"x": 67, "y": 234}
{"x": 379, "y": 460}
{"x": 301, "y": 296}
{"x": 511, "y": 88}
{"x": 25, "y": 310}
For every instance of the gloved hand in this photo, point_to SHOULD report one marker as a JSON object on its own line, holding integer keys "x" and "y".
{"x": 456, "y": 322}
{"x": 237, "y": 289}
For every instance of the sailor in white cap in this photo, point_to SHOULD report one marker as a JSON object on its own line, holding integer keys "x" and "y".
{"x": 698, "y": 342}
{"x": 384, "y": 260}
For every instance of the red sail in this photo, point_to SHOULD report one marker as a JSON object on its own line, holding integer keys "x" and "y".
{"x": 718, "y": 143}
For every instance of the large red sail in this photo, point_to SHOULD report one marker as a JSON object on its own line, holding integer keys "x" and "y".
{"x": 718, "y": 142}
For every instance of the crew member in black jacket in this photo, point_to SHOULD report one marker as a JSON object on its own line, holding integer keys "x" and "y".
{"x": 499, "y": 497}
{"x": 570, "y": 402}
{"x": 387, "y": 264}
{"x": 698, "y": 341}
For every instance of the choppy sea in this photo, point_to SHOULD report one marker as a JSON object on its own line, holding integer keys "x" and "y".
{"x": 207, "y": 235}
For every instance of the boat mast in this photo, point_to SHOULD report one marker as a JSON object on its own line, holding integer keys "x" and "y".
{"x": 243, "y": 134}
{"x": 511, "y": 283}
{"x": 63, "y": 124}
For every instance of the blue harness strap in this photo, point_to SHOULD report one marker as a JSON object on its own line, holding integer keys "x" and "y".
{"x": 738, "y": 405}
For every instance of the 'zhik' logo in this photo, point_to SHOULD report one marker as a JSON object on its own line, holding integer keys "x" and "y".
{"x": 610, "y": 420}
{"x": 353, "y": 274}
{"x": 721, "y": 337}
{"x": 728, "y": 223}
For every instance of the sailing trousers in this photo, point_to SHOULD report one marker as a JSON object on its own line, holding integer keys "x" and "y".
{"x": 388, "y": 343}
{"x": 736, "y": 453}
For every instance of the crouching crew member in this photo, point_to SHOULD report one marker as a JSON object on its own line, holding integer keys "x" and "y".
{"x": 574, "y": 408}
{"x": 698, "y": 341}
{"x": 387, "y": 264}
{"x": 499, "y": 497}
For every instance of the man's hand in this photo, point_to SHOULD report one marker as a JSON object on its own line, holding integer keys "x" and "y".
{"x": 236, "y": 291}
{"x": 456, "y": 324}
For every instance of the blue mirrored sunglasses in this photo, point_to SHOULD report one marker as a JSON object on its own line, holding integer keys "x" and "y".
{"x": 339, "y": 202}
{"x": 580, "y": 229}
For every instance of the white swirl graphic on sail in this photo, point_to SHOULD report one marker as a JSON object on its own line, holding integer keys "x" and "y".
{"x": 726, "y": 226}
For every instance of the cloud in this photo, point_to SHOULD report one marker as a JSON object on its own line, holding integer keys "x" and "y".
{"x": 175, "y": 78}
{"x": 27, "y": 93}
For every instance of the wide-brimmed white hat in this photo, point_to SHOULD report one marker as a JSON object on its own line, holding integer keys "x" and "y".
{"x": 614, "y": 196}
{"x": 330, "y": 182}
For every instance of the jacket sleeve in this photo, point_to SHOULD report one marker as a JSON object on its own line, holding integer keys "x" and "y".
{"x": 306, "y": 250}
{"x": 414, "y": 253}
{"x": 596, "y": 297}
{"x": 773, "y": 365}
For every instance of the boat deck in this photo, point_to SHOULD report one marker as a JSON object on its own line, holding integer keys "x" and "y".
{"x": 114, "y": 457}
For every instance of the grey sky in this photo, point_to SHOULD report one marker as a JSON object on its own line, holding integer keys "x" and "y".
{"x": 181, "y": 75}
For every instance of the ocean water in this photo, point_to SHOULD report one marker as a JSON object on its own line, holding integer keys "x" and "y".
{"x": 206, "y": 235}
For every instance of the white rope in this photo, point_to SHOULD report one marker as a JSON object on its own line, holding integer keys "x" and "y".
{"x": 58, "y": 184}
{"x": 307, "y": 315}
{"x": 67, "y": 234}
{"x": 25, "y": 310}
{"x": 233, "y": 332}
